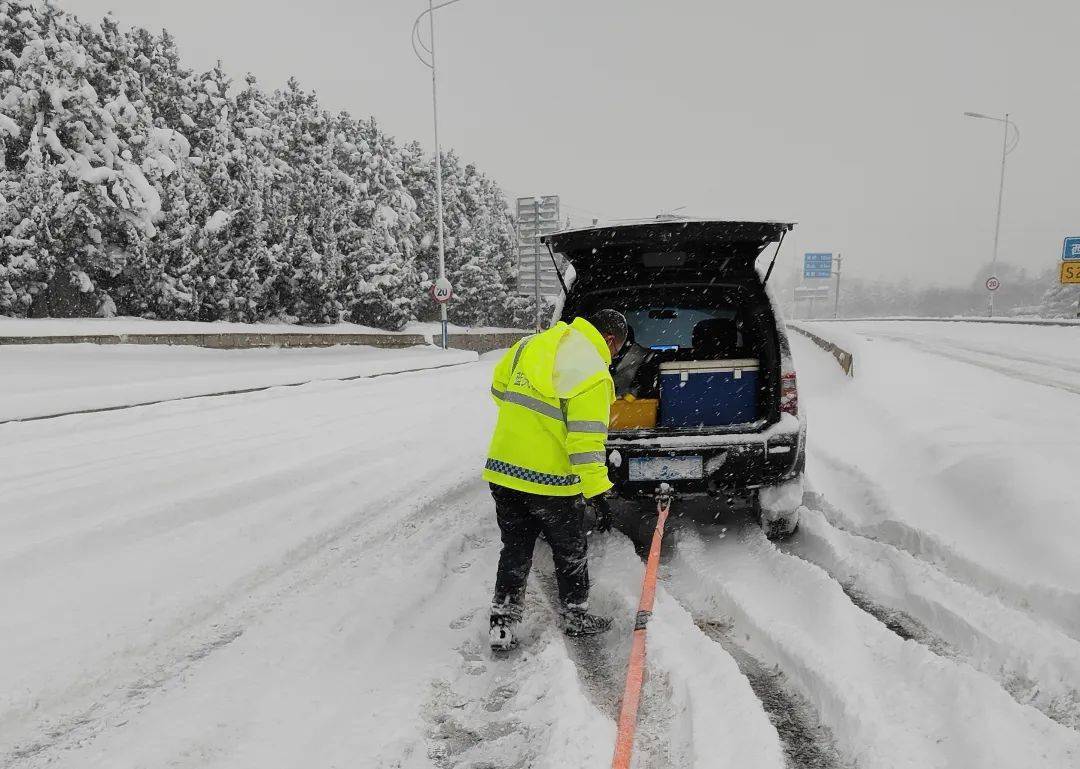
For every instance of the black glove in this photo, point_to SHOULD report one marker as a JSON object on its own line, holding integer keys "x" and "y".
{"x": 601, "y": 513}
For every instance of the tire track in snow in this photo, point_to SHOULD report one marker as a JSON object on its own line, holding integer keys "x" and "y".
{"x": 807, "y": 744}
{"x": 220, "y": 623}
{"x": 599, "y": 668}
{"x": 523, "y": 708}
{"x": 220, "y": 394}
{"x": 186, "y": 455}
{"x": 888, "y": 702}
{"x": 1048, "y": 603}
{"x": 899, "y": 622}
{"x": 1034, "y": 662}
{"x": 697, "y": 710}
{"x": 176, "y": 418}
{"x": 467, "y": 712}
{"x": 215, "y": 496}
{"x": 663, "y": 739}
{"x": 166, "y": 428}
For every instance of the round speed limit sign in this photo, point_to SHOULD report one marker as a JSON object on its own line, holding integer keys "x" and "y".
{"x": 441, "y": 291}
{"x": 992, "y": 283}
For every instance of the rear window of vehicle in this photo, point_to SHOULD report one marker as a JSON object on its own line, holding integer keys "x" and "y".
{"x": 669, "y": 328}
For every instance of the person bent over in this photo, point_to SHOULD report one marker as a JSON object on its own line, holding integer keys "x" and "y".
{"x": 547, "y": 463}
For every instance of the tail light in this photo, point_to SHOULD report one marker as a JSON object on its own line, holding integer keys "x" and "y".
{"x": 789, "y": 391}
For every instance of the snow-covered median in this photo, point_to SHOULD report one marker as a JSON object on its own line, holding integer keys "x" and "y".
{"x": 43, "y": 380}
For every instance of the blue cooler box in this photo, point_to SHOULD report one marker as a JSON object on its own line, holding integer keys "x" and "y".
{"x": 708, "y": 393}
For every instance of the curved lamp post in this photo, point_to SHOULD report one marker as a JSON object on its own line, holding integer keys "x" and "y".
{"x": 1006, "y": 148}
{"x": 419, "y": 48}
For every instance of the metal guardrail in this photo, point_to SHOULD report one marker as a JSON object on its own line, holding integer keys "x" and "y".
{"x": 845, "y": 358}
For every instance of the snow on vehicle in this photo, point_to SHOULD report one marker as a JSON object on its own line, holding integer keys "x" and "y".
{"x": 708, "y": 394}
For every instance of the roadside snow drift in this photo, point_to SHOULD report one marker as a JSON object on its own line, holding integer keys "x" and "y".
{"x": 968, "y": 462}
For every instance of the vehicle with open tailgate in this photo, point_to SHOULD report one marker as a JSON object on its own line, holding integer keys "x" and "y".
{"x": 707, "y": 391}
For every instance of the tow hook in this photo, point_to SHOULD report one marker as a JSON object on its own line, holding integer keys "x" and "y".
{"x": 664, "y": 496}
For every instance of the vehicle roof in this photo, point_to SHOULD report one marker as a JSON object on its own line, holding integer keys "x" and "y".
{"x": 667, "y": 229}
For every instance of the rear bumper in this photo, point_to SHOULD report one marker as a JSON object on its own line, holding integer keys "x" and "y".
{"x": 734, "y": 464}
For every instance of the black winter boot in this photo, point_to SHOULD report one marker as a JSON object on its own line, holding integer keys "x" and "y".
{"x": 576, "y": 621}
{"x": 501, "y": 634}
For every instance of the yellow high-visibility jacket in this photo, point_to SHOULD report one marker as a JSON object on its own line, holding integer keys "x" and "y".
{"x": 554, "y": 393}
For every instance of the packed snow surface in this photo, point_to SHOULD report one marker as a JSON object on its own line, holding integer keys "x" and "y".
{"x": 300, "y": 576}
{"x": 1048, "y": 355}
{"x": 47, "y": 379}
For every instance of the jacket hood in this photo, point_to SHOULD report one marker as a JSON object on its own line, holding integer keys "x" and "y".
{"x": 566, "y": 359}
{"x": 594, "y": 336}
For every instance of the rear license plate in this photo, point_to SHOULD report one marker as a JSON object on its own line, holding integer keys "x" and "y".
{"x": 666, "y": 468}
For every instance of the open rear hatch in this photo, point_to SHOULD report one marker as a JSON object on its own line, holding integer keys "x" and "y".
{"x": 664, "y": 251}
{"x": 707, "y": 353}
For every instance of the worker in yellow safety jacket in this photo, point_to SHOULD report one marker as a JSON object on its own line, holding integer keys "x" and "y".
{"x": 554, "y": 393}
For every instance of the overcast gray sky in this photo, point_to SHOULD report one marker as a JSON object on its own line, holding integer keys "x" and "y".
{"x": 842, "y": 115}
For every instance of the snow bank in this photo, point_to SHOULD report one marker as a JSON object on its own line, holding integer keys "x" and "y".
{"x": 129, "y": 325}
{"x": 957, "y": 443}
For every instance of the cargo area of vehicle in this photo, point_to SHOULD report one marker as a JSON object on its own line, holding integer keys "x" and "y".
{"x": 702, "y": 359}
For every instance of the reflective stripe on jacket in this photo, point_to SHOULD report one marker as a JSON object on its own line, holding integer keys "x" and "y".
{"x": 554, "y": 393}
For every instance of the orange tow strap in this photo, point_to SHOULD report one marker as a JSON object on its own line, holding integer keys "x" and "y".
{"x": 635, "y": 672}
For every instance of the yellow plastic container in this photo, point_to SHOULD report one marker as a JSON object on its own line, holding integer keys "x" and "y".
{"x": 630, "y": 413}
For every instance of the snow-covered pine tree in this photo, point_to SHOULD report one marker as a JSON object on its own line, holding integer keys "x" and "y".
{"x": 382, "y": 284}
{"x": 486, "y": 277}
{"x": 26, "y": 248}
{"x": 213, "y": 143}
{"x": 249, "y": 228}
{"x": 1061, "y": 302}
{"x": 417, "y": 175}
{"x": 300, "y": 139}
{"x": 129, "y": 184}
{"x": 170, "y": 289}
{"x": 93, "y": 141}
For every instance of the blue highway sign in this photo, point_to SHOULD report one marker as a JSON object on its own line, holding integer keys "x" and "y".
{"x": 1071, "y": 250}
{"x": 817, "y": 265}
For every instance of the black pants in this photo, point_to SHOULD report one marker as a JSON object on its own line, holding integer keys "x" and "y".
{"x": 521, "y": 519}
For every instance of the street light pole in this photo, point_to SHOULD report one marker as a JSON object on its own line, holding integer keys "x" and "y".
{"x": 1005, "y": 150}
{"x": 836, "y": 299}
{"x": 1001, "y": 194}
{"x": 438, "y": 168}
{"x": 430, "y": 12}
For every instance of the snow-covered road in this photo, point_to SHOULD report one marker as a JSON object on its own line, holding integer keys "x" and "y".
{"x": 1046, "y": 355}
{"x": 45, "y": 380}
{"x": 960, "y": 442}
{"x": 298, "y": 577}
